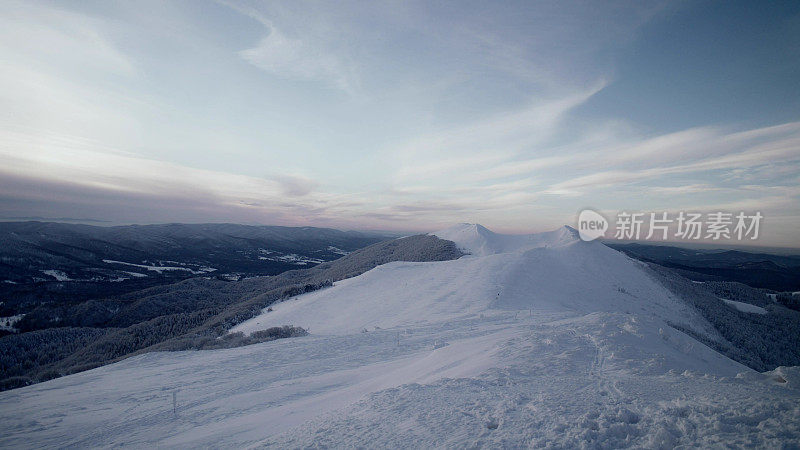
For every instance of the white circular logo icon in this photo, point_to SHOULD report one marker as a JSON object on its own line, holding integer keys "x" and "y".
{"x": 591, "y": 225}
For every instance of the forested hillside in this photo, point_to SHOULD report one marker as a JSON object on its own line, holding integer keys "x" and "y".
{"x": 57, "y": 265}
{"x": 191, "y": 314}
{"x": 759, "y": 270}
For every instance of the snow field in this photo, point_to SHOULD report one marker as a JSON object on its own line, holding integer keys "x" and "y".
{"x": 539, "y": 340}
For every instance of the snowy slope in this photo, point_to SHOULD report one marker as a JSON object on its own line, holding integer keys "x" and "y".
{"x": 478, "y": 240}
{"x": 552, "y": 271}
{"x": 538, "y": 340}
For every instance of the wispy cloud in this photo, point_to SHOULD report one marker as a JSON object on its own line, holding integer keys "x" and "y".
{"x": 295, "y": 185}
{"x": 42, "y": 35}
{"x": 685, "y": 189}
{"x": 306, "y": 56}
{"x": 60, "y": 72}
{"x": 685, "y": 152}
{"x": 495, "y": 143}
{"x": 295, "y": 58}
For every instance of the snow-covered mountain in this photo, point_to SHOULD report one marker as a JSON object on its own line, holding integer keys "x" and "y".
{"x": 553, "y": 271}
{"x": 537, "y": 340}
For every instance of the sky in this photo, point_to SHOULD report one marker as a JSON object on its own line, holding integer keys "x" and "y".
{"x": 399, "y": 115}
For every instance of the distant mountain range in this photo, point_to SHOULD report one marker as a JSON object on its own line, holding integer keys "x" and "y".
{"x": 47, "y": 262}
{"x": 63, "y": 335}
{"x": 761, "y": 270}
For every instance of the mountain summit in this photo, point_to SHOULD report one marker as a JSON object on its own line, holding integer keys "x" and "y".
{"x": 552, "y": 271}
{"x": 478, "y": 240}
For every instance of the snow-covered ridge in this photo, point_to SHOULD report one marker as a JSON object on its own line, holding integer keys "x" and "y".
{"x": 551, "y": 271}
{"x": 478, "y": 240}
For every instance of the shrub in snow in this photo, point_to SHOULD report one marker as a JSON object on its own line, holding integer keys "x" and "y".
{"x": 285, "y": 331}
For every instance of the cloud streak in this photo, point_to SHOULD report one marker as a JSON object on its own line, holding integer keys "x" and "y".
{"x": 294, "y": 58}
{"x": 66, "y": 172}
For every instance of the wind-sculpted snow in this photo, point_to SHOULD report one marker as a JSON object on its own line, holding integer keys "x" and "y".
{"x": 479, "y": 241}
{"x": 600, "y": 381}
{"x": 549, "y": 342}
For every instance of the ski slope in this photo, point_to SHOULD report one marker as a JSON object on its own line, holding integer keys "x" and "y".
{"x": 538, "y": 340}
